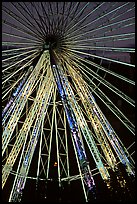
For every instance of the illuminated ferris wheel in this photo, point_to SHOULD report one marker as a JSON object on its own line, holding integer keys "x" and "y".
{"x": 67, "y": 95}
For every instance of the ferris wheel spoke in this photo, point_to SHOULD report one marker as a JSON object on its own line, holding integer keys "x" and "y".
{"x": 75, "y": 36}
{"x": 101, "y": 57}
{"x": 42, "y": 154}
{"x": 30, "y": 14}
{"x": 20, "y": 183}
{"x": 11, "y": 75}
{"x": 109, "y": 71}
{"x": 118, "y": 28}
{"x": 110, "y": 41}
{"x": 8, "y": 43}
{"x": 103, "y": 117}
{"x": 26, "y": 19}
{"x": 18, "y": 28}
{"x": 41, "y": 24}
{"x": 130, "y": 155}
{"x": 105, "y": 83}
{"x": 58, "y": 17}
{"x": 72, "y": 14}
{"x": 21, "y": 54}
{"x": 102, "y": 16}
{"x": 12, "y": 86}
{"x": 114, "y": 109}
{"x": 19, "y": 61}
{"x": 28, "y": 122}
{"x": 40, "y": 161}
{"x": 68, "y": 15}
{"x": 108, "y": 102}
{"x": 52, "y": 22}
{"x": 14, "y": 50}
{"x": 86, "y": 132}
{"x": 77, "y": 15}
{"x": 20, "y": 37}
{"x": 63, "y": 16}
{"x": 52, "y": 13}
{"x": 104, "y": 48}
{"x": 115, "y": 16}
{"x": 74, "y": 10}
{"x": 17, "y": 18}
{"x": 26, "y": 91}
{"x": 84, "y": 167}
{"x": 51, "y": 138}
{"x": 128, "y": 165}
{"x": 100, "y": 28}
{"x": 80, "y": 172}
{"x": 77, "y": 30}
{"x": 57, "y": 146}
{"x": 47, "y": 16}
{"x": 46, "y": 28}
{"x": 116, "y": 37}
{"x": 94, "y": 9}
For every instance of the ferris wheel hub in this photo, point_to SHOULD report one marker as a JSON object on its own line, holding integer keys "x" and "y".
{"x": 51, "y": 42}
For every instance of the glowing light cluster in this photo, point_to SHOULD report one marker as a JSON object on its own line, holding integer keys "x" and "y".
{"x": 74, "y": 128}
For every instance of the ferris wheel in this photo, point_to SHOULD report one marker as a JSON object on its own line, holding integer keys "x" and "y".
{"x": 67, "y": 96}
